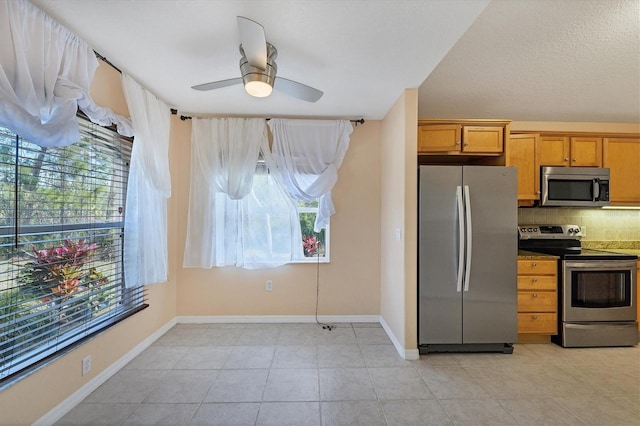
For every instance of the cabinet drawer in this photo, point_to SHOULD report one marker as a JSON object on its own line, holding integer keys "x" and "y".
{"x": 537, "y": 301}
{"x": 535, "y": 267}
{"x": 540, "y": 323}
{"x": 537, "y": 282}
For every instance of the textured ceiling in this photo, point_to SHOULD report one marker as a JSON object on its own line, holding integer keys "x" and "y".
{"x": 558, "y": 60}
{"x": 363, "y": 54}
{"x": 564, "y": 60}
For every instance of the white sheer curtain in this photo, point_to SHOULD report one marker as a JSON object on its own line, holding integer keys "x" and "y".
{"x": 238, "y": 215}
{"x": 45, "y": 74}
{"x": 149, "y": 187}
{"x": 307, "y": 155}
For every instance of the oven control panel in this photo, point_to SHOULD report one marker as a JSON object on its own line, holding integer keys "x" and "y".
{"x": 549, "y": 232}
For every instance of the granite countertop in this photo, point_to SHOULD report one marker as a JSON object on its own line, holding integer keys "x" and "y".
{"x": 524, "y": 254}
{"x": 625, "y": 251}
{"x": 628, "y": 247}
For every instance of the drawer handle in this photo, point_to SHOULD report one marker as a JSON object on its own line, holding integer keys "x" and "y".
{"x": 534, "y": 295}
{"x": 534, "y": 280}
{"x": 534, "y": 264}
{"x": 534, "y": 317}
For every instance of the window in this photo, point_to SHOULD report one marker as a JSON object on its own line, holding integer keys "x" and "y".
{"x": 61, "y": 238}
{"x": 315, "y": 245}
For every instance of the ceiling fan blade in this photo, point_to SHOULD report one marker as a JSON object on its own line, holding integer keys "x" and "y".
{"x": 253, "y": 41}
{"x": 297, "y": 90}
{"x": 217, "y": 84}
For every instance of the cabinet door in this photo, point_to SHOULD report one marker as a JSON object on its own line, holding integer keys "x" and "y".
{"x": 586, "y": 152}
{"x": 622, "y": 156}
{"x": 521, "y": 153}
{"x": 482, "y": 139}
{"x": 554, "y": 151}
{"x": 439, "y": 137}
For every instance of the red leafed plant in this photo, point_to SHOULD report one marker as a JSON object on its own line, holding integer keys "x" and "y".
{"x": 59, "y": 272}
{"x": 310, "y": 245}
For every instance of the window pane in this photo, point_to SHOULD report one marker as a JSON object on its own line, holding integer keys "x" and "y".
{"x": 313, "y": 243}
{"x": 61, "y": 232}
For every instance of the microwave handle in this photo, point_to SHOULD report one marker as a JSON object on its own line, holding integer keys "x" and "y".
{"x": 596, "y": 189}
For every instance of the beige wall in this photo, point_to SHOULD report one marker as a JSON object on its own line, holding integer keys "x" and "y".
{"x": 31, "y": 398}
{"x": 398, "y": 266}
{"x": 349, "y": 284}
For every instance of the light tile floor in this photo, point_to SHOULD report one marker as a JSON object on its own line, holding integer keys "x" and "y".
{"x": 302, "y": 374}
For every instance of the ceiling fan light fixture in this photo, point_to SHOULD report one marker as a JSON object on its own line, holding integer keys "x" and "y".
{"x": 258, "y": 88}
{"x": 258, "y": 82}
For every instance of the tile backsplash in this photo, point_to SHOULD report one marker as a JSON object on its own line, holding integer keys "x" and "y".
{"x": 599, "y": 224}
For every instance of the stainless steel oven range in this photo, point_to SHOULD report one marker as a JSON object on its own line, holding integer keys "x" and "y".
{"x": 596, "y": 288}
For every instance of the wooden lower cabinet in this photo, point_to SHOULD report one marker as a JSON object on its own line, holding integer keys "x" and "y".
{"x": 537, "y": 299}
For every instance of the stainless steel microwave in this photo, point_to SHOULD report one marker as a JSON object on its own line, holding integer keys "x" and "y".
{"x": 574, "y": 186}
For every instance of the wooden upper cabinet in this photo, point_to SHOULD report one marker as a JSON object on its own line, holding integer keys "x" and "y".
{"x": 554, "y": 151}
{"x": 482, "y": 139}
{"x": 452, "y": 137}
{"x": 586, "y": 152}
{"x": 570, "y": 151}
{"x": 521, "y": 152}
{"x": 622, "y": 156}
{"x": 439, "y": 137}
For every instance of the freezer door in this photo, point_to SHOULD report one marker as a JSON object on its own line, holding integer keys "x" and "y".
{"x": 490, "y": 303}
{"x": 439, "y": 300}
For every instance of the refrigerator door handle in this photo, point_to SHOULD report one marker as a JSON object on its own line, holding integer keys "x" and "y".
{"x": 469, "y": 232}
{"x": 461, "y": 239}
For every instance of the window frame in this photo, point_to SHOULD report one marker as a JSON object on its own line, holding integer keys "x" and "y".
{"x": 123, "y": 302}
{"x": 327, "y": 240}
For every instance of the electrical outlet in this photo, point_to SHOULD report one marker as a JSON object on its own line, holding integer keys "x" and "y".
{"x": 86, "y": 364}
{"x": 583, "y": 231}
{"x": 269, "y": 285}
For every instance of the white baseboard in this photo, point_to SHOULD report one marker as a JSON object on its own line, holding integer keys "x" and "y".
{"x": 65, "y": 406}
{"x": 408, "y": 354}
{"x": 274, "y": 319}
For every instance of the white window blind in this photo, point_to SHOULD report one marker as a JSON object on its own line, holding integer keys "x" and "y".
{"x": 61, "y": 239}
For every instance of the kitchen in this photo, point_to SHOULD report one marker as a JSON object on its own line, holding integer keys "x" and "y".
{"x": 381, "y": 194}
{"x": 557, "y": 300}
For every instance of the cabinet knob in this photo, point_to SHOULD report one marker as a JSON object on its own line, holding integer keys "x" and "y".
{"x": 566, "y": 159}
{"x": 575, "y": 159}
{"x": 534, "y": 264}
{"x": 534, "y": 295}
{"x": 457, "y": 142}
{"x": 534, "y": 280}
{"x": 534, "y": 317}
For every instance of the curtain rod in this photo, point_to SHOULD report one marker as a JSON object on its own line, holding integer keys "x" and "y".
{"x": 175, "y": 111}
{"x": 186, "y": 117}
{"x": 102, "y": 58}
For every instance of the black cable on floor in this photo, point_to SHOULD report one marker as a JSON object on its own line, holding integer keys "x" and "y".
{"x": 324, "y": 325}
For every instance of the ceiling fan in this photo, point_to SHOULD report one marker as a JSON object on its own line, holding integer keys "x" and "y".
{"x": 258, "y": 67}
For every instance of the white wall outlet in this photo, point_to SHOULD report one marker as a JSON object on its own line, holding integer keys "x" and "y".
{"x": 583, "y": 231}
{"x": 86, "y": 364}
{"x": 269, "y": 285}
{"x": 398, "y": 234}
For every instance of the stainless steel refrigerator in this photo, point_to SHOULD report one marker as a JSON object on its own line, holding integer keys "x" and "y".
{"x": 467, "y": 259}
